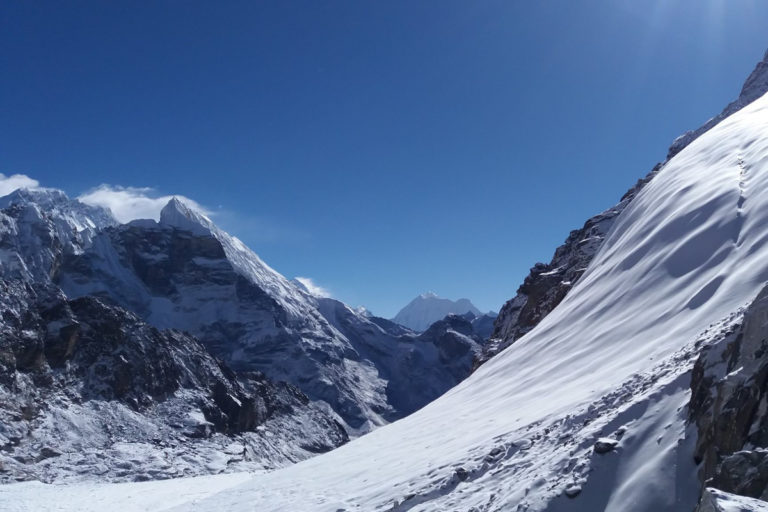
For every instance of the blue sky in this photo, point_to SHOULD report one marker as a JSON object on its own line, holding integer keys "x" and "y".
{"x": 382, "y": 149}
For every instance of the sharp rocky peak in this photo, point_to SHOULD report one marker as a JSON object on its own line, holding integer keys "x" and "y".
{"x": 755, "y": 86}
{"x": 180, "y": 215}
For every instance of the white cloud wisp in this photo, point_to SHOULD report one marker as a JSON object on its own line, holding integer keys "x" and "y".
{"x": 130, "y": 203}
{"x": 16, "y": 181}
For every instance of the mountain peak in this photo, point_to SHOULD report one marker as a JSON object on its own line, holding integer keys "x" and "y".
{"x": 72, "y": 212}
{"x": 180, "y": 215}
{"x": 428, "y": 308}
{"x": 756, "y": 83}
{"x": 44, "y": 197}
{"x": 755, "y": 86}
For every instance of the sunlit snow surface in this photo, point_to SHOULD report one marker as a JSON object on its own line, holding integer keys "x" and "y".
{"x": 688, "y": 252}
{"x": 732, "y": 503}
{"x": 132, "y": 497}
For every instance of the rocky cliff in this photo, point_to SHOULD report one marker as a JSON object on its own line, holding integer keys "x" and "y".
{"x": 729, "y": 407}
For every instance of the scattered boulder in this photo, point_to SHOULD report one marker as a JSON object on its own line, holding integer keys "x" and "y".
{"x": 744, "y": 472}
{"x": 572, "y": 490}
{"x": 605, "y": 445}
{"x": 462, "y": 474}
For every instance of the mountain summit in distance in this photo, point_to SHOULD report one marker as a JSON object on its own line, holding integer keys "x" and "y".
{"x": 428, "y": 308}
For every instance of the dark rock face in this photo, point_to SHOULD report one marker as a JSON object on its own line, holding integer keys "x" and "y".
{"x": 744, "y": 473}
{"x": 178, "y": 279}
{"x": 603, "y": 446}
{"x": 88, "y": 388}
{"x": 729, "y": 406}
{"x": 62, "y": 354}
{"x": 754, "y": 87}
{"x": 412, "y": 369}
{"x": 482, "y": 326}
{"x": 173, "y": 264}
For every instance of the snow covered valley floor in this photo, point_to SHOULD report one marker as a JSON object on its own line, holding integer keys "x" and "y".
{"x": 609, "y": 370}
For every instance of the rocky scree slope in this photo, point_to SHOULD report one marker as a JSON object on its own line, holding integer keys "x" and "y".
{"x": 548, "y": 283}
{"x": 90, "y": 390}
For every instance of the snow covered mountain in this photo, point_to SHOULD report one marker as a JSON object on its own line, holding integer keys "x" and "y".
{"x": 88, "y": 389}
{"x": 633, "y": 388}
{"x": 184, "y": 273}
{"x": 248, "y": 370}
{"x": 428, "y": 308}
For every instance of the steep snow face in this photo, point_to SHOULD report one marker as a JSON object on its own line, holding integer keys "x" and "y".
{"x": 547, "y": 284}
{"x": 428, "y": 308}
{"x": 613, "y": 359}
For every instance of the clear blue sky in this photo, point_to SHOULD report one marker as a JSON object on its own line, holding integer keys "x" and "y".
{"x": 381, "y": 148}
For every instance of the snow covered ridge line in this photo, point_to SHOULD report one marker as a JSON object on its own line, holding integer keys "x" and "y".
{"x": 547, "y": 284}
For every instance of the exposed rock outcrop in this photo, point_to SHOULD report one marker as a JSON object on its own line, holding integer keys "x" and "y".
{"x": 729, "y": 406}
{"x": 80, "y": 377}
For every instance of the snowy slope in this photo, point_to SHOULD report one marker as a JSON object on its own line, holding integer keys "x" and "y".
{"x": 428, "y": 308}
{"x": 613, "y": 359}
{"x": 691, "y": 249}
{"x": 547, "y": 284}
